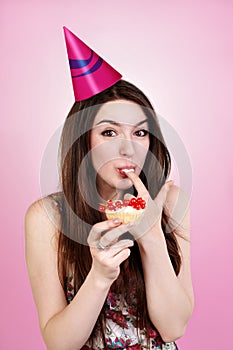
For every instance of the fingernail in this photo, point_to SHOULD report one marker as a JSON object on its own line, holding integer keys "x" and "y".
{"x": 116, "y": 221}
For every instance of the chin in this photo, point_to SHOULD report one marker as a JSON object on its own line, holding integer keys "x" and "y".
{"x": 123, "y": 184}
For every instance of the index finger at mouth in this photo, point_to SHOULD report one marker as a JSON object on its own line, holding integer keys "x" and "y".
{"x": 138, "y": 184}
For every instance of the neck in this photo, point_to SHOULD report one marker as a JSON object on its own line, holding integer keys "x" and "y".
{"x": 113, "y": 195}
{"x": 107, "y": 192}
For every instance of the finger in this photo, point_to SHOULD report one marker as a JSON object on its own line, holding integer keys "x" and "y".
{"x": 153, "y": 214}
{"x": 99, "y": 228}
{"x": 120, "y": 245}
{"x": 112, "y": 251}
{"x": 138, "y": 184}
{"x": 113, "y": 235}
{"x": 115, "y": 248}
{"x": 121, "y": 256}
{"x": 160, "y": 199}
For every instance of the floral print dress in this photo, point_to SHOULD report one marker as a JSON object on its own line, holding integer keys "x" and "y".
{"x": 121, "y": 331}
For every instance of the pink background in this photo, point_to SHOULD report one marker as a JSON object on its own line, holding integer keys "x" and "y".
{"x": 180, "y": 53}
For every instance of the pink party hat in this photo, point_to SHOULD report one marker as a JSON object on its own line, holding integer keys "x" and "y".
{"x": 90, "y": 73}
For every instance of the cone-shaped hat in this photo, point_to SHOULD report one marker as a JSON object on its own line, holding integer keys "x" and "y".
{"x": 90, "y": 73}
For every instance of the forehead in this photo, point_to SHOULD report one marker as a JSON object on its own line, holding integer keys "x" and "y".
{"x": 120, "y": 111}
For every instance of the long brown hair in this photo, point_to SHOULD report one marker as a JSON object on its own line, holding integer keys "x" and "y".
{"x": 78, "y": 179}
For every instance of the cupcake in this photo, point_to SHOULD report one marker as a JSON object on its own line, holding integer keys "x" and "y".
{"x": 128, "y": 210}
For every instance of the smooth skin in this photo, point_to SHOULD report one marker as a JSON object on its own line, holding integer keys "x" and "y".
{"x": 68, "y": 327}
{"x": 119, "y": 138}
{"x": 169, "y": 297}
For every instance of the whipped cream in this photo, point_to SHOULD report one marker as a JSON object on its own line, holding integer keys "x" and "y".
{"x": 128, "y": 170}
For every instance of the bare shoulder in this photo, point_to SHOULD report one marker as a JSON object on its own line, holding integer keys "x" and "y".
{"x": 42, "y": 216}
{"x": 178, "y": 207}
{"x": 176, "y": 194}
{"x": 42, "y": 222}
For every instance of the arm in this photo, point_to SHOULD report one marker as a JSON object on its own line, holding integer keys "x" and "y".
{"x": 68, "y": 327}
{"x": 169, "y": 297}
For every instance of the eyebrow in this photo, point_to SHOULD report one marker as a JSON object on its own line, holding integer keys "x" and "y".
{"x": 118, "y": 124}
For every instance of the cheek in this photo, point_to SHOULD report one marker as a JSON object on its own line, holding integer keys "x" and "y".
{"x": 102, "y": 153}
{"x": 141, "y": 151}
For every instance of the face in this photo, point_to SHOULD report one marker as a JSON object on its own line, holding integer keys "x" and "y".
{"x": 119, "y": 140}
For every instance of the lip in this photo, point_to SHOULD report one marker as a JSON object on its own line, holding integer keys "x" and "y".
{"x": 128, "y": 167}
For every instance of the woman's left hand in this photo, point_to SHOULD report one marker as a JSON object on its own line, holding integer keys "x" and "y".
{"x": 152, "y": 216}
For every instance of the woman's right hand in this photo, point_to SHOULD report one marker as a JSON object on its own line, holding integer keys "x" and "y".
{"x": 107, "y": 251}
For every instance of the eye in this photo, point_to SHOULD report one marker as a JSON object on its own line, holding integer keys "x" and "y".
{"x": 141, "y": 133}
{"x": 108, "y": 133}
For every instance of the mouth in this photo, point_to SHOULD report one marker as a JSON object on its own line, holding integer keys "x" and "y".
{"x": 124, "y": 170}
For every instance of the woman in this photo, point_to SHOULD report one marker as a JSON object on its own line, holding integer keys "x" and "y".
{"x": 98, "y": 283}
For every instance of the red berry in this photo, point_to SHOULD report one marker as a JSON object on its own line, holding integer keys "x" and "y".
{"x": 102, "y": 208}
{"x": 139, "y": 199}
{"x": 126, "y": 202}
{"x": 143, "y": 205}
{"x": 137, "y": 206}
{"x": 118, "y": 204}
{"x": 132, "y": 201}
{"x": 111, "y": 206}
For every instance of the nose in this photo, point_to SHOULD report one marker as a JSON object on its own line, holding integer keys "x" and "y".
{"x": 126, "y": 148}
